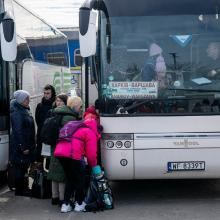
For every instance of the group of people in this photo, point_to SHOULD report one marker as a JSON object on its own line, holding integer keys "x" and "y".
{"x": 67, "y": 173}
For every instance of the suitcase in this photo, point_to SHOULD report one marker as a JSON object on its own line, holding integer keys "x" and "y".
{"x": 41, "y": 187}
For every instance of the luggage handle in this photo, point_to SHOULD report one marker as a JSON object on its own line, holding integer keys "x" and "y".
{"x": 44, "y": 165}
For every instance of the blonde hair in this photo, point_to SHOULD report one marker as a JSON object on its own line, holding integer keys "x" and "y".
{"x": 74, "y": 102}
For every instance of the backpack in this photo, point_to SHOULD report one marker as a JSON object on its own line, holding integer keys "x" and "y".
{"x": 67, "y": 131}
{"x": 99, "y": 195}
{"x": 50, "y": 130}
{"x": 64, "y": 146}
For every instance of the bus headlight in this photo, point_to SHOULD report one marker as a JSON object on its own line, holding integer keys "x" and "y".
{"x": 119, "y": 144}
{"x": 127, "y": 144}
{"x": 110, "y": 144}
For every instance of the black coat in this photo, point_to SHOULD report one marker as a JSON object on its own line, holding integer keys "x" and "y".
{"x": 22, "y": 135}
{"x": 41, "y": 114}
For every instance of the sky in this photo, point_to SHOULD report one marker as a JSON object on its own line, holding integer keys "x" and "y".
{"x": 60, "y": 13}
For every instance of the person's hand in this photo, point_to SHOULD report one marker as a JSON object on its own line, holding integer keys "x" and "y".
{"x": 26, "y": 152}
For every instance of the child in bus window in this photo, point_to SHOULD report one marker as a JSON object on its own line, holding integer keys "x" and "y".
{"x": 155, "y": 67}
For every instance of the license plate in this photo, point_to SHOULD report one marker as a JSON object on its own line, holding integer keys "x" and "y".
{"x": 186, "y": 166}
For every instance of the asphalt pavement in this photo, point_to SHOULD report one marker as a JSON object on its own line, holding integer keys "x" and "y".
{"x": 134, "y": 200}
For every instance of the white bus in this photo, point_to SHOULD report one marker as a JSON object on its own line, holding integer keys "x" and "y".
{"x": 8, "y": 56}
{"x": 160, "y": 121}
{"x": 37, "y": 55}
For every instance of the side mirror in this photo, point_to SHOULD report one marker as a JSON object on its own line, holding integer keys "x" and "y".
{"x": 87, "y": 32}
{"x": 8, "y": 38}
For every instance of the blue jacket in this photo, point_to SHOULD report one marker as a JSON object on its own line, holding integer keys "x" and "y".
{"x": 149, "y": 72}
{"x": 22, "y": 135}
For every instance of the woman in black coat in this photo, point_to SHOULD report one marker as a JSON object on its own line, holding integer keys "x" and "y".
{"x": 22, "y": 142}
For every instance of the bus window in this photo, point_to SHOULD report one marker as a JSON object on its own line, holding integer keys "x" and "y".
{"x": 57, "y": 58}
{"x": 77, "y": 58}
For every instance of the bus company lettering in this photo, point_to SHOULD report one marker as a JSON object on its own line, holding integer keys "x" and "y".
{"x": 133, "y": 84}
{"x": 186, "y": 143}
{"x": 133, "y": 90}
{"x": 144, "y": 84}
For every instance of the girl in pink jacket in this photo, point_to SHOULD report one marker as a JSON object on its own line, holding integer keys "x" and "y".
{"x": 83, "y": 143}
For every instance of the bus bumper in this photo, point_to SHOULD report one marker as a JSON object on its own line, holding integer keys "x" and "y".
{"x": 161, "y": 163}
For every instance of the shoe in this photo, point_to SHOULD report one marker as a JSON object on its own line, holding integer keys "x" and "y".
{"x": 80, "y": 208}
{"x": 66, "y": 208}
{"x": 55, "y": 201}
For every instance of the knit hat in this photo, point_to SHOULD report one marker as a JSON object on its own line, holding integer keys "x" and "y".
{"x": 21, "y": 95}
{"x": 154, "y": 50}
{"x": 91, "y": 109}
{"x": 91, "y": 113}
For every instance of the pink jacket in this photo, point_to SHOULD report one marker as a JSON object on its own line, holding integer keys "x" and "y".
{"x": 84, "y": 143}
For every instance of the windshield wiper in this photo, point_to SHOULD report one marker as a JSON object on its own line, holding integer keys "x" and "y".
{"x": 124, "y": 110}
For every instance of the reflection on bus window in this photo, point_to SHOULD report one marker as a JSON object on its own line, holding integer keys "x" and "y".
{"x": 57, "y": 58}
{"x": 187, "y": 77}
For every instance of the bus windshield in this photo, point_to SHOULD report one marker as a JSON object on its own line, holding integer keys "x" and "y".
{"x": 161, "y": 64}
